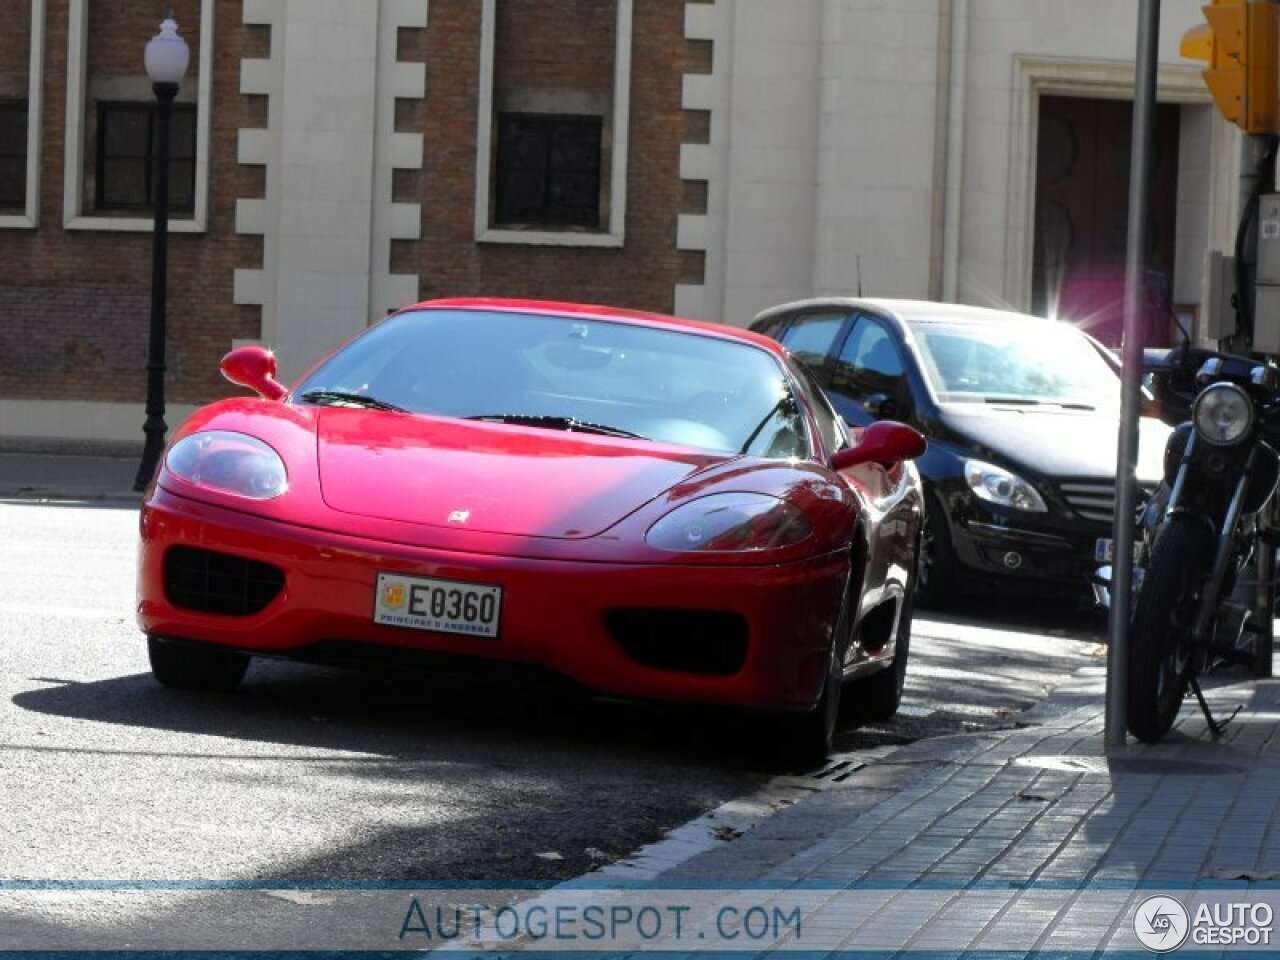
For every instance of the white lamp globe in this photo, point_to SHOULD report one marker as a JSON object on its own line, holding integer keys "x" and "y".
{"x": 167, "y": 54}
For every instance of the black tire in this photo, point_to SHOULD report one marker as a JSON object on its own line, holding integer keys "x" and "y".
{"x": 188, "y": 667}
{"x": 936, "y": 558}
{"x": 1160, "y": 633}
{"x": 877, "y": 697}
{"x": 801, "y": 741}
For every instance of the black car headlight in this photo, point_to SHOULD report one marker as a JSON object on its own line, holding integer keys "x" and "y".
{"x": 997, "y": 485}
{"x": 1222, "y": 414}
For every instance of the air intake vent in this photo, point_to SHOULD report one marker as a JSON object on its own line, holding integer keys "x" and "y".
{"x": 690, "y": 641}
{"x": 1096, "y": 500}
{"x": 218, "y": 582}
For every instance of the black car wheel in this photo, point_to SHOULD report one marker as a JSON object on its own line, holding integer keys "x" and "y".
{"x": 186, "y": 667}
{"x": 878, "y": 696}
{"x": 936, "y": 559}
{"x": 798, "y": 741}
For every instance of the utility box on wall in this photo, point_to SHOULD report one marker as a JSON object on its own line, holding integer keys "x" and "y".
{"x": 1266, "y": 313}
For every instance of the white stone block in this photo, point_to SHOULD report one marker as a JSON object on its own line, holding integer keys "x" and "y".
{"x": 690, "y": 301}
{"x": 256, "y": 77}
{"x": 263, "y": 12}
{"x": 697, "y": 161}
{"x": 251, "y": 216}
{"x": 249, "y": 287}
{"x": 698, "y": 91}
{"x": 404, "y": 221}
{"x": 405, "y": 13}
{"x": 699, "y": 21}
{"x": 691, "y": 232}
{"x": 408, "y": 80}
{"x": 404, "y": 151}
{"x": 254, "y": 146}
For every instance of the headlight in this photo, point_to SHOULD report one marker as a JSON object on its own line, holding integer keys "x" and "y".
{"x": 996, "y": 485}
{"x": 1223, "y": 413}
{"x": 730, "y": 522}
{"x": 231, "y": 462}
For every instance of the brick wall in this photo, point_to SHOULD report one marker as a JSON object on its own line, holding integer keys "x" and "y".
{"x": 74, "y": 305}
{"x": 642, "y": 274}
{"x": 15, "y": 39}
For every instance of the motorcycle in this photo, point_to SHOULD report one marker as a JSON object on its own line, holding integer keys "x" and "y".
{"x": 1199, "y": 532}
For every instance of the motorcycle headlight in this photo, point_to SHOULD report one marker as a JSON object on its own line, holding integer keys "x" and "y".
{"x": 730, "y": 522}
{"x": 231, "y": 462}
{"x": 1223, "y": 414}
{"x": 997, "y": 485}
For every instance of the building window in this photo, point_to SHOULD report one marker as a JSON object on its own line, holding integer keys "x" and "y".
{"x": 126, "y": 157}
{"x": 13, "y": 155}
{"x": 548, "y": 170}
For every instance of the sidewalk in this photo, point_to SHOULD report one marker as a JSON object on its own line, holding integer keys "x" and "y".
{"x": 68, "y": 477}
{"x": 1041, "y": 807}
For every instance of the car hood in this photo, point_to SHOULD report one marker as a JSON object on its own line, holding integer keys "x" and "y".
{"x": 491, "y": 478}
{"x": 1052, "y": 441}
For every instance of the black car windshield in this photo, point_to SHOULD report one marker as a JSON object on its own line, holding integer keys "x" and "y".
{"x": 568, "y": 373}
{"x": 1022, "y": 363}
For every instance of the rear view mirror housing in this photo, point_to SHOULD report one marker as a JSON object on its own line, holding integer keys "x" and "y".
{"x": 886, "y": 442}
{"x": 254, "y": 367}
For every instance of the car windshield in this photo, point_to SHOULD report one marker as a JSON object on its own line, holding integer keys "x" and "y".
{"x": 569, "y": 373}
{"x": 1025, "y": 363}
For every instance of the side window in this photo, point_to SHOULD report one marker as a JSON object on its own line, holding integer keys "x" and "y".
{"x": 771, "y": 327}
{"x": 869, "y": 370}
{"x": 830, "y": 427}
{"x": 811, "y": 335}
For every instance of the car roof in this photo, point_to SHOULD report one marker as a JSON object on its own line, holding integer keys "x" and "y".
{"x": 909, "y": 311}
{"x": 599, "y": 312}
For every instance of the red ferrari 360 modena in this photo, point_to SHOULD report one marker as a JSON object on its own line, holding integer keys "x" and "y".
{"x": 655, "y": 508}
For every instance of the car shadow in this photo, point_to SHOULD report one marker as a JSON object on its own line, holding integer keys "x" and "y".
{"x": 418, "y": 718}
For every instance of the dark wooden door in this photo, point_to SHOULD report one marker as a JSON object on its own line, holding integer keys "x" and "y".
{"x": 1082, "y": 211}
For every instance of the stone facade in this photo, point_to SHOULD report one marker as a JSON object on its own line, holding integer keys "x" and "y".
{"x": 753, "y": 152}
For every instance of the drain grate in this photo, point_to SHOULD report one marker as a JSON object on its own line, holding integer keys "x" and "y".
{"x": 837, "y": 770}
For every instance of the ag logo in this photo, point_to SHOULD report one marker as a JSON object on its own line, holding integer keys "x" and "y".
{"x": 393, "y": 595}
{"x": 1161, "y": 924}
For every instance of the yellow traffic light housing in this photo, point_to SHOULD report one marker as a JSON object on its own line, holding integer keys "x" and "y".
{"x": 1241, "y": 43}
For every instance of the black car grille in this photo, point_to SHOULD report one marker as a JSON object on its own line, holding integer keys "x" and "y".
{"x": 211, "y": 582}
{"x": 691, "y": 641}
{"x": 1096, "y": 499}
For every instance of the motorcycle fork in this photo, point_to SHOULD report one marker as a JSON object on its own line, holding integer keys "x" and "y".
{"x": 1227, "y": 542}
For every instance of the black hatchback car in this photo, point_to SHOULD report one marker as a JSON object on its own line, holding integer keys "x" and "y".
{"x": 1021, "y": 414}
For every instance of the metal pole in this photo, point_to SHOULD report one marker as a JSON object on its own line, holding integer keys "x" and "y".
{"x": 155, "y": 427}
{"x": 1131, "y": 376}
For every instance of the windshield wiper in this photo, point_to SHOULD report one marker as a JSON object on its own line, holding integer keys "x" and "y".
{"x": 338, "y": 398}
{"x": 570, "y": 424}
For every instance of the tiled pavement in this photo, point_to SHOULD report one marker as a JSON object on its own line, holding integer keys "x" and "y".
{"x": 1080, "y": 835}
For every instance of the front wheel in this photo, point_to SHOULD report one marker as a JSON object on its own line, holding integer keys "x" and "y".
{"x": 1163, "y": 619}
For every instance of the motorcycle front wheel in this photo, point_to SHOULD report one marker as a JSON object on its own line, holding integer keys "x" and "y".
{"x": 1163, "y": 619}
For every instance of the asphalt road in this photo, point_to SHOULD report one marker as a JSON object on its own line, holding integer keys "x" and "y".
{"x": 310, "y": 774}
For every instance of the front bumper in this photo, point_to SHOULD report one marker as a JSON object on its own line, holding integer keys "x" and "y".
{"x": 553, "y": 612}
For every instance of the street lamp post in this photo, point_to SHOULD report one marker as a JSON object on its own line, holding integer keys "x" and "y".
{"x": 166, "y": 58}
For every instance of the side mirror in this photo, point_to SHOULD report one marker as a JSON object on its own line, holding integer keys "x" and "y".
{"x": 886, "y": 442}
{"x": 255, "y": 368}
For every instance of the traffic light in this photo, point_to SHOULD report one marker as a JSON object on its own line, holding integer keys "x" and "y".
{"x": 1241, "y": 43}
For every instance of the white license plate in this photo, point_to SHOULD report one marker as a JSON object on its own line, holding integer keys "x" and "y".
{"x": 444, "y": 606}
{"x": 1104, "y": 550}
